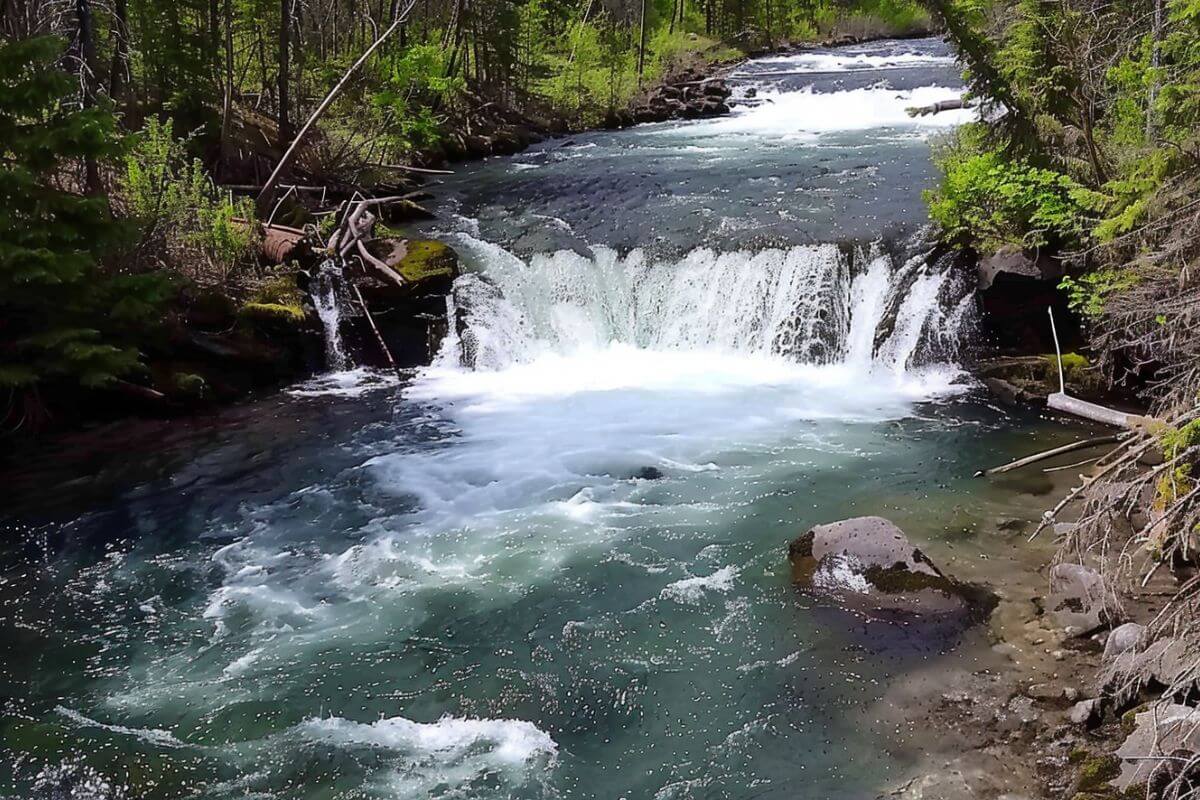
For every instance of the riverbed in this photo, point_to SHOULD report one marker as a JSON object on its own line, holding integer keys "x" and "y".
{"x": 554, "y": 563}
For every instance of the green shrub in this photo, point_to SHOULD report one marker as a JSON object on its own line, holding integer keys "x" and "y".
{"x": 987, "y": 200}
{"x": 188, "y": 225}
{"x": 1088, "y": 293}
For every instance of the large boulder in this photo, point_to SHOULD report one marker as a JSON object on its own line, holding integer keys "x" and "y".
{"x": 868, "y": 561}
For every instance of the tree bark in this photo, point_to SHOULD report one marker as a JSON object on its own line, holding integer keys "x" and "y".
{"x": 642, "y": 45}
{"x": 86, "y": 55}
{"x": 285, "y": 26}
{"x": 118, "y": 72}
{"x": 227, "y": 104}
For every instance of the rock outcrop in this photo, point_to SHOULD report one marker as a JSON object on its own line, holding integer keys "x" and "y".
{"x": 688, "y": 95}
{"x": 1169, "y": 730}
{"x": 410, "y": 316}
{"x": 868, "y": 561}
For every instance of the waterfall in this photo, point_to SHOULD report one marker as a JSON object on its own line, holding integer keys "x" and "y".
{"x": 811, "y": 304}
{"x": 326, "y": 289}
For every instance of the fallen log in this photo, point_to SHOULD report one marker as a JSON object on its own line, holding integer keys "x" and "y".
{"x": 279, "y": 242}
{"x": 1061, "y": 401}
{"x": 279, "y": 246}
{"x": 936, "y": 108}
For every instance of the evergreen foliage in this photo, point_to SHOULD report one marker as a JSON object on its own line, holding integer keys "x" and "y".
{"x": 62, "y": 317}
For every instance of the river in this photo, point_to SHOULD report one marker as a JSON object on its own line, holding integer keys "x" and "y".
{"x": 553, "y": 564}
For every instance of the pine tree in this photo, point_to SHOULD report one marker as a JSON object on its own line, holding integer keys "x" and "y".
{"x": 63, "y": 320}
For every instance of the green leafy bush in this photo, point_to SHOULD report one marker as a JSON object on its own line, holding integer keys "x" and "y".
{"x": 988, "y": 200}
{"x": 188, "y": 225}
{"x": 1088, "y": 293}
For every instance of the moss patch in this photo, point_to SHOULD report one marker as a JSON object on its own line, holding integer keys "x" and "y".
{"x": 427, "y": 259}
{"x": 276, "y": 301}
{"x": 278, "y": 290}
{"x": 273, "y": 312}
{"x": 1095, "y": 773}
{"x": 189, "y": 384}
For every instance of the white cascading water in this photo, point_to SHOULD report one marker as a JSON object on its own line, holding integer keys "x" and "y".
{"x": 326, "y": 295}
{"x": 809, "y": 304}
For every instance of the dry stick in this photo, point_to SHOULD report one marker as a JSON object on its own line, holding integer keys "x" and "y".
{"x": 1070, "y": 466}
{"x": 278, "y": 205}
{"x": 1131, "y": 456}
{"x": 378, "y": 336}
{"x": 1057, "y": 451}
{"x": 422, "y": 170}
{"x": 383, "y": 268}
{"x": 290, "y": 153}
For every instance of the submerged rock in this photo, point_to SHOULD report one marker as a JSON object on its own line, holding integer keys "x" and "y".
{"x": 648, "y": 474}
{"x": 869, "y": 559}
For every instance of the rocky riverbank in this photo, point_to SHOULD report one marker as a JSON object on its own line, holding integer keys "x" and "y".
{"x": 1028, "y": 697}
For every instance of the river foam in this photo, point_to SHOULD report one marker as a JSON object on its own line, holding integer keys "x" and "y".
{"x": 504, "y": 740}
{"x": 807, "y": 112}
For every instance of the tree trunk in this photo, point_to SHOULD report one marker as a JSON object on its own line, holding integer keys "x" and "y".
{"x": 285, "y": 26}
{"x": 118, "y": 72}
{"x": 227, "y": 104}
{"x": 86, "y": 55}
{"x": 1156, "y": 35}
{"x": 642, "y": 45}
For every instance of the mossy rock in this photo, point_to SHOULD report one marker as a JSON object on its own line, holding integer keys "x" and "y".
{"x": 1095, "y": 773}
{"x": 189, "y": 384}
{"x": 275, "y": 304}
{"x": 278, "y": 290}
{"x": 1076, "y": 369}
{"x": 272, "y": 313}
{"x": 425, "y": 259}
{"x": 1038, "y": 375}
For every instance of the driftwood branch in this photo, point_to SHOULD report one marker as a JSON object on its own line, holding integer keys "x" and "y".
{"x": 381, "y": 267}
{"x": 378, "y": 336}
{"x": 1061, "y": 401}
{"x": 936, "y": 108}
{"x": 1047, "y": 454}
{"x": 290, "y": 153}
